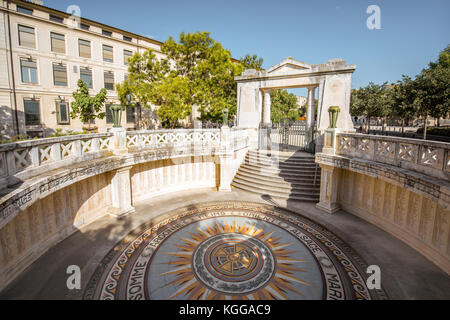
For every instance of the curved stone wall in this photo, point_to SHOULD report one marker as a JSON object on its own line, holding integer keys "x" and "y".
{"x": 48, "y": 192}
{"x": 62, "y": 211}
{"x": 415, "y": 218}
{"x": 50, "y": 220}
{"x": 163, "y": 176}
{"x": 401, "y": 185}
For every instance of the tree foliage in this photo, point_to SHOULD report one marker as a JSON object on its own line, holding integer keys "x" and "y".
{"x": 252, "y": 62}
{"x": 428, "y": 94}
{"x": 283, "y": 106}
{"x": 196, "y": 71}
{"x": 86, "y": 107}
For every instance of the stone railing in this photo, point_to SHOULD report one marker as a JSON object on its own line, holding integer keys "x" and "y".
{"x": 401, "y": 185}
{"x": 173, "y": 138}
{"x": 22, "y": 160}
{"x": 428, "y": 157}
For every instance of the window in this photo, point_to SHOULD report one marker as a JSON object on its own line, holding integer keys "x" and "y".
{"x": 28, "y": 70}
{"x": 109, "y": 80}
{"x": 58, "y": 42}
{"x": 127, "y": 38}
{"x": 125, "y": 76}
{"x": 62, "y": 112}
{"x": 84, "y": 26}
{"x": 86, "y": 76}
{"x": 130, "y": 115}
{"x": 84, "y": 48}
{"x": 126, "y": 56}
{"x": 32, "y": 113}
{"x": 56, "y": 19}
{"x": 109, "y": 117}
{"x": 59, "y": 74}
{"x": 108, "y": 53}
{"x": 26, "y": 37}
{"x": 106, "y": 33}
{"x": 24, "y": 10}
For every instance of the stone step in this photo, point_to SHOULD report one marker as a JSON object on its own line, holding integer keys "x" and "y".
{"x": 286, "y": 154}
{"x": 281, "y": 163}
{"x": 278, "y": 160}
{"x": 278, "y": 191}
{"x": 263, "y": 156}
{"x": 282, "y": 166}
{"x": 284, "y": 173}
{"x": 278, "y": 184}
{"x": 290, "y": 179}
{"x": 287, "y": 196}
{"x": 305, "y": 181}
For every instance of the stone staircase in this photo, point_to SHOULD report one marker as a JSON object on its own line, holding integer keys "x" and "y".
{"x": 293, "y": 178}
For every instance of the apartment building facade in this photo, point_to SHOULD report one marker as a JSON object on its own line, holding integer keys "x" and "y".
{"x": 43, "y": 54}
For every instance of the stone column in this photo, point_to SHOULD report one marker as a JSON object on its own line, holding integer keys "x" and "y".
{"x": 225, "y": 172}
{"x": 121, "y": 193}
{"x": 329, "y": 183}
{"x": 225, "y": 159}
{"x": 266, "y": 111}
{"x": 310, "y": 114}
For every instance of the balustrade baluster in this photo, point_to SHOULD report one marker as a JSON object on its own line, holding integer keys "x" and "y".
{"x": 56, "y": 152}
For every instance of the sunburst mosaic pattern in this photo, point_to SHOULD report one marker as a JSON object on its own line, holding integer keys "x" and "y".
{"x": 231, "y": 250}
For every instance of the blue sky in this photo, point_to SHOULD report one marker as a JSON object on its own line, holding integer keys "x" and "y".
{"x": 412, "y": 32}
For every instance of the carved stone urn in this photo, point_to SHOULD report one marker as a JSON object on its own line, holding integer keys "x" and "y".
{"x": 333, "y": 111}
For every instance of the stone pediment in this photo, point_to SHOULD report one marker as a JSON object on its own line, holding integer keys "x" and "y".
{"x": 288, "y": 66}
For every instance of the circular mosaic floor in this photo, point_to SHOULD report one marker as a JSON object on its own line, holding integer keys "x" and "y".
{"x": 231, "y": 250}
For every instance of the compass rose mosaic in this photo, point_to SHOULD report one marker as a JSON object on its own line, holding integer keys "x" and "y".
{"x": 231, "y": 250}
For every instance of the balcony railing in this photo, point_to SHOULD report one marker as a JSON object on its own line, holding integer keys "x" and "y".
{"x": 428, "y": 157}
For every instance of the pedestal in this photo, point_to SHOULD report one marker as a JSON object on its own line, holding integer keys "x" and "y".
{"x": 121, "y": 193}
{"x": 225, "y": 159}
{"x": 329, "y": 146}
{"x": 329, "y": 183}
{"x": 119, "y": 140}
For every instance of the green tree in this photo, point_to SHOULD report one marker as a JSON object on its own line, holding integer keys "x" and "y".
{"x": 283, "y": 106}
{"x": 432, "y": 89}
{"x": 370, "y": 101}
{"x": 173, "y": 98}
{"x": 196, "y": 65}
{"x": 85, "y": 107}
{"x": 252, "y": 62}
{"x": 403, "y": 95}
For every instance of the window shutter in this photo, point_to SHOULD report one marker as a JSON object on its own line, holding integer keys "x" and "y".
{"x": 84, "y": 48}
{"x": 60, "y": 75}
{"x": 108, "y": 53}
{"x": 58, "y": 43}
{"x": 126, "y": 56}
{"x": 26, "y": 37}
{"x": 109, "y": 80}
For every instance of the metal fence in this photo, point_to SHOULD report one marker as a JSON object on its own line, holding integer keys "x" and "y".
{"x": 284, "y": 136}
